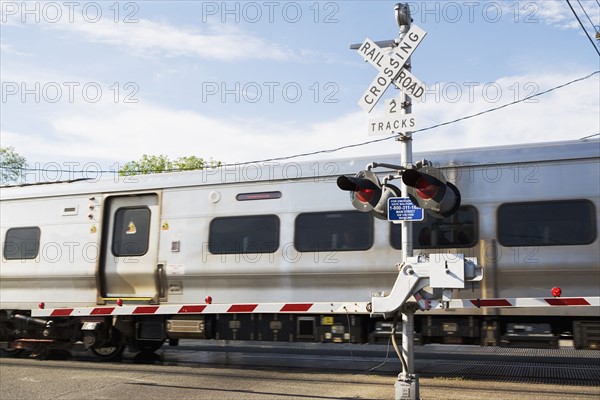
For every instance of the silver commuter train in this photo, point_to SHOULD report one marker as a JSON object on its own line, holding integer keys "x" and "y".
{"x": 284, "y": 232}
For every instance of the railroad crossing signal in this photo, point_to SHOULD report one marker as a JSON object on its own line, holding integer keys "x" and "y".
{"x": 391, "y": 68}
{"x": 367, "y": 193}
{"x": 393, "y": 121}
{"x": 427, "y": 188}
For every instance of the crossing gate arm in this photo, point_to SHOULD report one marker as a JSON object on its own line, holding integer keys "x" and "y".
{"x": 511, "y": 303}
{"x": 314, "y": 308}
{"x": 215, "y": 308}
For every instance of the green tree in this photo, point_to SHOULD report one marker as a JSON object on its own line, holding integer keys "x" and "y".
{"x": 11, "y": 165}
{"x": 158, "y": 164}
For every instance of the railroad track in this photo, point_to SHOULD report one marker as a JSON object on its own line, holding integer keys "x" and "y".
{"x": 549, "y": 366}
{"x": 506, "y": 366}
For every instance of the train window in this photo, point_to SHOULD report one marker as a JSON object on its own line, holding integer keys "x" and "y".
{"x": 22, "y": 243}
{"x": 242, "y": 235}
{"x": 547, "y": 223}
{"x": 456, "y": 231}
{"x": 333, "y": 231}
{"x": 131, "y": 232}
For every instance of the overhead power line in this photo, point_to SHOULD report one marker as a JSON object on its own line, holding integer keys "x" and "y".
{"x": 429, "y": 127}
{"x": 588, "y": 17}
{"x": 589, "y": 136}
{"x": 582, "y": 27}
{"x": 349, "y": 146}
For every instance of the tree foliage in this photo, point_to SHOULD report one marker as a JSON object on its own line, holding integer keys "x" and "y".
{"x": 11, "y": 165}
{"x": 159, "y": 164}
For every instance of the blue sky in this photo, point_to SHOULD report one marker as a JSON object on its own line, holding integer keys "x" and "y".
{"x": 105, "y": 82}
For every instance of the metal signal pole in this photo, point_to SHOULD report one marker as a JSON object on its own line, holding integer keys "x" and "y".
{"x": 407, "y": 386}
{"x": 404, "y": 20}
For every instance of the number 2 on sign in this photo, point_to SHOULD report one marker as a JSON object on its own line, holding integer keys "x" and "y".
{"x": 390, "y": 106}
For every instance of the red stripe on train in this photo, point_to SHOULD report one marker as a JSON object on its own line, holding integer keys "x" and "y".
{"x": 580, "y": 301}
{"x": 491, "y": 303}
{"x": 102, "y": 311}
{"x": 145, "y": 310}
{"x": 61, "y": 312}
{"x": 242, "y": 308}
{"x": 296, "y": 307}
{"x": 191, "y": 309}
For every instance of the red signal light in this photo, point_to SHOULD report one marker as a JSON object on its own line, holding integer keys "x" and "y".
{"x": 425, "y": 190}
{"x": 365, "y": 195}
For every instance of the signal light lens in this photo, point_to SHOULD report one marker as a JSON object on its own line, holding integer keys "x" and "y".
{"x": 556, "y": 291}
{"x": 365, "y": 195}
{"x": 425, "y": 190}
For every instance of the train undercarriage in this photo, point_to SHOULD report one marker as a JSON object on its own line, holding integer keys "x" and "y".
{"x": 108, "y": 336}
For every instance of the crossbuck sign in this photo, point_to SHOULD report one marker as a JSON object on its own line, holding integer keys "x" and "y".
{"x": 392, "y": 70}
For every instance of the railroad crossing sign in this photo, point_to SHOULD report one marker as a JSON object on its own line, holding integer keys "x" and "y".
{"x": 393, "y": 121}
{"x": 391, "y": 68}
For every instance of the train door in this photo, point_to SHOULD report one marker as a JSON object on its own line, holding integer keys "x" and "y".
{"x": 128, "y": 267}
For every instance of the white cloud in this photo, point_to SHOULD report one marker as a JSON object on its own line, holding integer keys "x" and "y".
{"x": 568, "y": 113}
{"x": 5, "y": 47}
{"x": 9, "y": 49}
{"x": 123, "y": 132}
{"x": 227, "y": 43}
{"x": 559, "y": 15}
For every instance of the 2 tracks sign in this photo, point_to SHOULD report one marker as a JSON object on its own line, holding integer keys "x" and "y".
{"x": 392, "y": 68}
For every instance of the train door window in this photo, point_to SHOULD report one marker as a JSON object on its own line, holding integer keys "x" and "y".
{"x": 131, "y": 232}
{"x": 243, "y": 235}
{"x": 457, "y": 231}
{"x": 333, "y": 231}
{"x": 22, "y": 243}
{"x": 547, "y": 223}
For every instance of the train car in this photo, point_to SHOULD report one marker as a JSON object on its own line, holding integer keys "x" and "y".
{"x": 284, "y": 232}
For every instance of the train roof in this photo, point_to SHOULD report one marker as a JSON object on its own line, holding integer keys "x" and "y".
{"x": 290, "y": 170}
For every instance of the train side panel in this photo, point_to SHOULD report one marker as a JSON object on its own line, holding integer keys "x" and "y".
{"x": 60, "y": 269}
{"x": 529, "y": 214}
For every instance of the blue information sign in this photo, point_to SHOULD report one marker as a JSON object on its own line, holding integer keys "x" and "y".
{"x": 402, "y": 209}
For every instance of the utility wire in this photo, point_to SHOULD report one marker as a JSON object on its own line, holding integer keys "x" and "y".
{"x": 336, "y": 149}
{"x": 589, "y": 136}
{"x": 588, "y": 17}
{"x": 582, "y": 27}
{"x": 429, "y": 127}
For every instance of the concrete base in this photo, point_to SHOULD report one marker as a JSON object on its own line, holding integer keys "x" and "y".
{"x": 407, "y": 389}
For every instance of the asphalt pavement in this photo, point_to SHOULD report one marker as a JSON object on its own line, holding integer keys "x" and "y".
{"x": 34, "y": 379}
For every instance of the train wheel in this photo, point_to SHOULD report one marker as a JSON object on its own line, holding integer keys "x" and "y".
{"x": 8, "y": 334}
{"x": 109, "y": 353}
{"x": 4, "y": 353}
{"x": 149, "y": 346}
